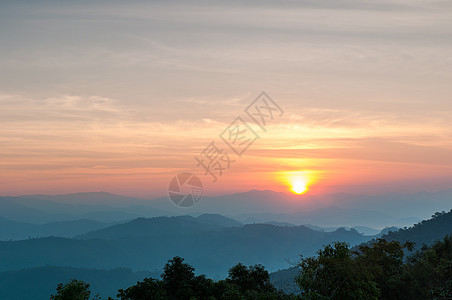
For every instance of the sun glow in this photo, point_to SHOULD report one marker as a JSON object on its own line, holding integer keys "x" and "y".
{"x": 298, "y": 182}
{"x": 299, "y": 186}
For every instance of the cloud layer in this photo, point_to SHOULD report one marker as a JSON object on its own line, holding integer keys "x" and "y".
{"x": 119, "y": 96}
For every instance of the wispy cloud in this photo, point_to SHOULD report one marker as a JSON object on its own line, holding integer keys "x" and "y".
{"x": 98, "y": 90}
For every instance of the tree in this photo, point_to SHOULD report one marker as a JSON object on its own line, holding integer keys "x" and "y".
{"x": 334, "y": 274}
{"x": 224, "y": 290}
{"x": 177, "y": 278}
{"x": 73, "y": 290}
{"x": 178, "y": 282}
{"x": 384, "y": 261}
{"x": 148, "y": 289}
{"x": 251, "y": 282}
{"x": 252, "y": 278}
{"x": 431, "y": 270}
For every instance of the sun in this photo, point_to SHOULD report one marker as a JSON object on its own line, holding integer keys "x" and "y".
{"x": 298, "y": 182}
{"x": 299, "y": 185}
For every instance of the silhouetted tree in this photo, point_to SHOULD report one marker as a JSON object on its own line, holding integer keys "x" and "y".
{"x": 178, "y": 279}
{"x": 179, "y": 282}
{"x": 430, "y": 269}
{"x": 384, "y": 261}
{"x": 251, "y": 282}
{"x": 73, "y": 290}
{"x": 148, "y": 289}
{"x": 252, "y": 278}
{"x": 334, "y": 274}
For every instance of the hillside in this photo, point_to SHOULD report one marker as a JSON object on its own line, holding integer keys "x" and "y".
{"x": 425, "y": 232}
{"x": 151, "y": 227}
{"x": 12, "y": 230}
{"x": 146, "y": 244}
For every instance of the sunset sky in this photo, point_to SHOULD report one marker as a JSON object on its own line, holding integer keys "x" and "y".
{"x": 109, "y": 96}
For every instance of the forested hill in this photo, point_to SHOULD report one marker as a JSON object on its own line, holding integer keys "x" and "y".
{"x": 424, "y": 232}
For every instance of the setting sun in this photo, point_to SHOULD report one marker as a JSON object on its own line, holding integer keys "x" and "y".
{"x": 299, "y": 182}
{"x": 299, "y": 186}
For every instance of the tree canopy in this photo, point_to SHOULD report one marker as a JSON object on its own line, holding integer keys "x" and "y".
{"x": 380, "y": 270}
{"x": 73, "y": 290}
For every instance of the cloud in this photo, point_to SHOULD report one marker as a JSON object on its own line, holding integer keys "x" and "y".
{"x": 143, "y": 87}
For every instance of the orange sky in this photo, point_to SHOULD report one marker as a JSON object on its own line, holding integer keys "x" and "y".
{"x": 121, "y": 100}
{"x": 73, "y": 144}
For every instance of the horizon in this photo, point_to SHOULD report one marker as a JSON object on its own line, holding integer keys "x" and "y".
{"x": 288, "y": 193}
{"x": 273, "y": 205}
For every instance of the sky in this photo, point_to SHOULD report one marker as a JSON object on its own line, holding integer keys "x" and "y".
{"x": 121, "y": 96}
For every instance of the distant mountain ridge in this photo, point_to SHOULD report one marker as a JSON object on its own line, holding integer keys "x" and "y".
{"x": 424, "y": 232}
{"x": 90, "y": 198}
{"x": 12, "y": 230}
{"x": 254, "y": 206}
{"x": 104, "y": 207}
{"x": 212, "y": 243}
{"x": 332, "y": 216}
{"x": 399, "y": 206}
{"x": 151, "y": 227}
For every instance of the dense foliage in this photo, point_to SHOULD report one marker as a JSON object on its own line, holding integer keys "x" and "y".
{"x": 73, "y": 290}
{"x": 378, "y": 271}
{"x": 179, "y": 282}
{"x": 335, "y": 274}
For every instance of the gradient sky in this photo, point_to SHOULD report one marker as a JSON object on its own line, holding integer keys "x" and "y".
{"x": 120, "y": 96}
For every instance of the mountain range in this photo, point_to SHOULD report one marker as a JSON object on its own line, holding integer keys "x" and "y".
{"x": 212, "y": 243}
{"x": 91, "y": 235}
{"x": 119, "y": 255}
{"x": 335, "y": 210}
